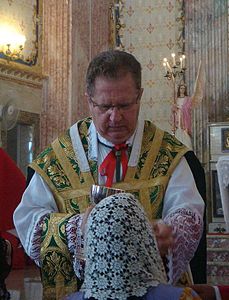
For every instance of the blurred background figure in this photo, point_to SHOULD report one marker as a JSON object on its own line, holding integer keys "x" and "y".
{"x": 5, "y": 266}
{"x": 12, "y": 185}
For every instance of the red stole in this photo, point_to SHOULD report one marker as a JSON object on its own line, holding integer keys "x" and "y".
{"x": 12, "y": 185}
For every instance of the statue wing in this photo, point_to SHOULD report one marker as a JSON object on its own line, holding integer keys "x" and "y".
{"x": 199, "y": 87}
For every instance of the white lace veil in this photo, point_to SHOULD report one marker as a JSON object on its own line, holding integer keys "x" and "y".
{"x": 122, "y": 258}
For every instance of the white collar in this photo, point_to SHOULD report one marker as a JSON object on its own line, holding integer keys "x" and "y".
{"x": 134, "y": 140}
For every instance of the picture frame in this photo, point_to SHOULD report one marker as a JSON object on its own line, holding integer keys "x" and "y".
{"x": 26, "y": 17}
{"x": 225, "y": 139}
{"x": 217, "y": 210}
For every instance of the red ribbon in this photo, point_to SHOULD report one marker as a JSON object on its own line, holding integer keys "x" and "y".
{"x": 107, "y": 168}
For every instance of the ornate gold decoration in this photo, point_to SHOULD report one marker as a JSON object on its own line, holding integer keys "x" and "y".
{"x": 21, "y": 75}
{"x": 116, "y": 25}
{"x": 180, "y": 38}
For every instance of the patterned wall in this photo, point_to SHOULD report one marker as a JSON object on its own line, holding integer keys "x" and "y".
{"x": 150, "y": 31}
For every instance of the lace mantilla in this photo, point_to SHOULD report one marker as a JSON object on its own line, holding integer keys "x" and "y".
{"x": 122, "y": 258}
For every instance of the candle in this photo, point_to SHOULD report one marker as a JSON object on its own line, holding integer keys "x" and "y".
{"x": 164, "y": 64}
{"x": 173, "y": 56}
{"x": 183, "y": 57}
{"x": 181, "y": 60}
{"x": 168, "y": 65}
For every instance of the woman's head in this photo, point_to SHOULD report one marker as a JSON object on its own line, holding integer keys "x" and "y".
{"x": 182, "y": 90}
{"x": 122, "y": 258}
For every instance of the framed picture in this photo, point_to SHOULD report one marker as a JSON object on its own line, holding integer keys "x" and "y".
{"x": 225, "y": 139}
{"x": 23, "y": 17}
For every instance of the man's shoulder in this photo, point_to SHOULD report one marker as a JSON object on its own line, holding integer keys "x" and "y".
{"x": 167, "y": 138}
{"x": 149, "y": 125}
{"x": 64, "y": 139}
{"x": 49, "y": 149}
{"x": 81, "y": 124}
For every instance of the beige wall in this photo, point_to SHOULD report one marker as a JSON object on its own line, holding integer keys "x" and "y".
{"x": 26, "y": 98}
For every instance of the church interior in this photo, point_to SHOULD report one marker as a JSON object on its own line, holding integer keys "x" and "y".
{"x": 45, "y": 48}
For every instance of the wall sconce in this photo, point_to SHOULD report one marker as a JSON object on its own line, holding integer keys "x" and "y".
{"x": 11, "y": 43}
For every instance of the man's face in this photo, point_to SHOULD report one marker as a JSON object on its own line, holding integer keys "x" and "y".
{"x": 115, "y": 107}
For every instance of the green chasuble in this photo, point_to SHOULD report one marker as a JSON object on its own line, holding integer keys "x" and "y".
{"x": 60, "y": 168}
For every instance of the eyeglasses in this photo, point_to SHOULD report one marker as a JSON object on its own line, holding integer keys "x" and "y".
{"x": 124, "y": 107}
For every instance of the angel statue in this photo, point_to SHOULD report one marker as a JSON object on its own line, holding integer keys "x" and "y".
{"x": 183, "y": 107}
